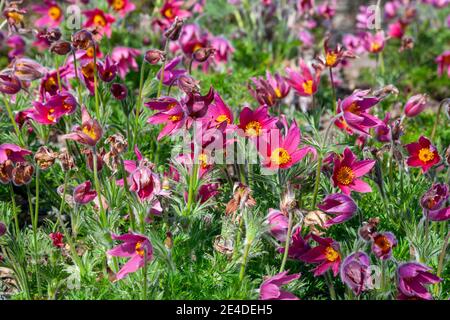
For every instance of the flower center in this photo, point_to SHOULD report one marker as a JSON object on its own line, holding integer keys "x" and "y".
{"x": 17, "y": 17}
{"x": 118, "y": 4}
{"x": 99, "y": 20}
{"x": 354, "y": 108}
{"x": 425, "y": 155}
{"x": 383, "y": 243}
{"x": 175, "y": 118}
{"x": 278, "y": 92}
{"x": 50, "y": 84}
{"x": 140, "y": 249}
{"x": 203, "y": 160}
{"x": 222, "y": 118}
{"x": 50, "y": 115}
{"x": 54, "y": 13}
{"x": 345, "y": 175}
{"x": 253, "y": 129}
{"x": 280, "y": 156}
{"x": 168, "y": 13}
{"x": 196, "y": 47}
{"x": 88, "y": 70}
{"x": 331, "y": 254}
{"x": 308, "y": 87}
{"x": 331, "y": 59}
{"x": 375, "y": 46}
{"x": 89, "y": 131}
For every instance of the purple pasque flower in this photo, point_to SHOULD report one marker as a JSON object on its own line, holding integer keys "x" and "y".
{"x": 382, "y": 244}
{"x": 270, "y": 288}
{"x": 383, "y": 132}
{"x": 125, "y": 59}
{"x": 340, "y": 205}
{"x": 355, "y": 272}
{"x": 136, "y": 247}
{"x": 107, "y": 69}
{"x": 415, "y": 105}
{"x": 326, "y": 255}
{"x": 9, "y": 151}
{"x": 299, "y": 245}
{"x": 433, "y": 202}
{"x": 170, "y": 71}
{"x": 90, "y": 131}
{"x": 174, "y": 117}
{"x": 83, "y": 194}
{"x": 223, "y": 49}
{"x": 278, "y": 224}
{"x": 412, "y": 279}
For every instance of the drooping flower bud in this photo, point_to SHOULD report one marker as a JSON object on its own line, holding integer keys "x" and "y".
{"x": 27, "y": 69}
{"x": 368, "y": 229}
{"x": 82, "y": 39}
{"x": 61, "y": 47}
{"x": 9, "y": 83}
{"x": 188, "y": 84}
{"x": 107, "y": 70}
{"x": 153, "y": 56}
{"x": 415, "y": 105}
{"x": 45, "y": 157}
{"x": 119, "y": 91}
{"x": 173, "y": 33}
{"x": 203, "y": 54}
{"x": 52, "y": 35}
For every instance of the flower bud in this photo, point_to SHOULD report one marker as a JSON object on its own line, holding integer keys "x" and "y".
{"x": 119, "y": 91}
{"x": 61, "y": 47}
{"x": 22, "y": 174}
{"x": 3, "y": 229}
{"x": 203, "y": 54}
{"x": 53, "y": 35}
{"x": 83, "y": 194}
{"x": 9, "y": 84}
{"x": 27, "y": 69}
{"x": 6, "y": 169}
{"x": 188, "y": 84}
{"x": 154, "y": 56}
{"x": 45, "y": 157}
{"x": 415, "y": 105}
{"x": 173, "y": 33}
{"x": 82, "y": 39}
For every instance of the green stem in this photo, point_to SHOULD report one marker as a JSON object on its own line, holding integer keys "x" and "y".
{"x": 244, "y": 261}
{"x": 317, "y": 183}
{"x": 287, "y": 242}
{"x": 34, "y": 227}
{"x": 97, "y": 103}
{"x": 192, "y": 186}
{"x": 166, "y": 46}
{"x": 58, "y": 75}
{"x": 103, "y": 217}
{"x": 15, "y": 213}
{"x": 333, "y": 91}
{"x": 80, "y": 97}
{"x": 144, "y": 271}
{"x": 329, "y": 280}
{"x": 436, "y": 122}
{"x": 13, "y": 121}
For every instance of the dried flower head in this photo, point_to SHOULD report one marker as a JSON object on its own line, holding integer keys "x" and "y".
{"x": 45, "y": 157}
{"x": 6, "y": 169}
{"x": 22, "y": 173}
{"x": 66, "y": 160}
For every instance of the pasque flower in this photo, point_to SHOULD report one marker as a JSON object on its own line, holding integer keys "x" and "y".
{"x": 412, "y": 279}
{"x": 122, "y": 7}
{"x": 9, "y": 83}
{"x": 26, "y": 69}
{"x": 57, "y": 106}
{"x": 304, "y": 83}
{"x": 374, "y": 43}
{"x": 383, "y": 132}
{"x": 334, "y": 56}
{"x": 355, "y": 272}
{"x": 170, "y": 71}
{"x": 255, "y": 123}
{"x": 90, "y": 131}
{"x": 433, "y": 202}
{"x": 97, "y": 18}
{"x": 119, "y": 91}
{"x": 298, "y": 246}
{"x": 326, "y": 255}
{"x": 443, "y": 62}
{"x": 382, "y": 244}
{"x": 278, "y": 224}
{"x": 173, "y": 118}
{"x": 348, "y": 170}
{"x": 285, "y": 152}
{"x": 340, "y": 205}
{"x": 125, "y": 59}
{"x": 136, "y": 247}
{"x": 270, "y": 288}
{"x": 9, "y": 151}
{"x": 415, "y": 105}
{"x": 51, "y": 12}
{"x": 220, "y": 112}
{"x": 355, "y": 117}
{"x": 422, "y": 154}
{"x": 83, "y": 194}
{"x": 107, "y": 69}
{"x": 57, "y": 239}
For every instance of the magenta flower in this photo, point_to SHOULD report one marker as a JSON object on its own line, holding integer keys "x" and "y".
{"x": 348, "y": 170}
{"x": 9, "y": 83}
{"x": 433, "y": 202}
{"x": 174, "y": 118}
{"x": 341, "y": 206}
{"x": 57, "y": 239}
{"x": 304, "y": 83}
{"x": 383, "y": 132}
{"x": 286, "y": 153}
{"x": 52, "y": 14}
{"x": 374, "y": 43}
{"x": 107, "y": 69}
{"x": 136, "y": 247}
{"x": 355, "y": 116}
{"x": 415, "y": 105}
{"x": 355, "y": 272}
{"x": 270, "y": 288}
{"x": 443, "y": 62}
{"x": 255, "y": 123}
{"x": 17, "y": 46}
{"x": 49, "y": 83}
{"x": 412, "y": 279}
{"x": 207, "y": 191}
{"x": 396, "y": 30}
{"x": 125, "y": 59}
{"x": 299, "y": 245}
{"x": 9, "y": 151}
{"x": 278, "y": 224}
{"x": 57, "y": 106}
{"x": 90, "y": 131}
{"x": 192, "y": 38}
{"x": 122, "y": 7}
{"x": 270, "y": 90}
{"x": 219, "y": 112}
{"x": 172, "y": 9}
{"x": 223, "y": 49}
{"x": 422, "y": 154}
{"x": 97, "y": 18}
{"x": 83, "y": 194}
{"x": 326, "y": 255}
{"x": 170, "y": 71}
{"x": 382, "y": 245}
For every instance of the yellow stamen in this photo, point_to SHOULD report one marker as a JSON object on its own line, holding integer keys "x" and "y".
{"x": 54, "y": 13}
{"x": 331, "y": 254}
{"x": 175, "y": 118}
{"x": 168, "y": 13}
{"x": 118, "y": 4}
{"x": 50, "y": 116}
{"x": 280, "y": 156}
{"x": 139, "y": 249}
{"x": 308, "y": 87}
{"x": 375, "y": 46}
{"x": 253, "y": 129}
{"x": 99, "y": 20}
{"x": 277, "y": 92}
{"x": 90, "y": 132}
{"x": 354, "y": 108}
{"x": 222, "y": 118}
{"x": 331, "y": 59}
{"x": 17, "y": 17}
{"x": 203, "y": 160}
{"x": 426, "y": 155}
{"x": 345, "y": 175}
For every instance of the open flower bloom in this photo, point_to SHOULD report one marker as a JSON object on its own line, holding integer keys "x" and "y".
{"x": 192, "y": 38}
{"x": 125, "y": 59}
{"x": 348, "y": 170}
{"x": 383, "y": 131}
{"x": 355, "y": 116}
{"x": 443, "y": 62}
{"x": 51, "y": 12}
{"x": 326, "y": 255}
{"x": 262, "y": 91}
{"x": 97, "y": 18}
{"x": 355, "y": 272}
{"x": 57, "y": 239}
{"x": 334, "y": 56}
{"x": 223, "y": 49}
{"x": 9, "y": 151}
{"x": 56, "y": 106}
{"x": 270, "y": 288}
{"x": 83, "y": 194}
{"x": 278, "y": 224}
{"x": 304, "y": 83}
{"x": 415, "y": 105}
{"x": 412, "y": 278}
{"x": 374, "y": 43}
{"x": 170, "y": 71}
{"x": 284, "y": 153}
{"x": 49, "y": 83}
{"x": 122, "y": 7}
{"x": 107, "y": 70}
{"x": 382, "y": 244}
{"x": 340, "y": 205}
{"x": 136, "y": 247}
{"x": 433, "y": 202}
{"x": 299, "y": 245}
{"x": 172, "y": 9}
{"x": 422, "y": 154}
{"x": 255, "y": 123}
{"x": 220, "y": 112}
{"x": 197, "y": 106}
{"x": 174, "y": 118}
{"x": 90, "y": 131}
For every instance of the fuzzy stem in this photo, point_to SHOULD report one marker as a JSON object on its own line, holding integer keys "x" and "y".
{"x": 80, "y": 97}
{"x": 16, "y": 218}
{"x": 161, "y": 78}
{"x": 287, "y": 242}
{"x": 192, "y": 182}
{"x": 103, "y": 217}
{"x": 329, "y": 281}
{"x": 333, "y": 90}
{"x": 317, "y": 183}
{"x": 58, "y": 75}
{"x": 244, "y": 261}
{"x": 436, "y": 122}
{"x": 34, "y": 227}
{"x": 13, "y": 121}
{"x": 139, "y": 102}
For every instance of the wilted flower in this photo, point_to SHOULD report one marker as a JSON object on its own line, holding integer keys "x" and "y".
{"x": 270, "y": 288}
{"x": 6, "y": 169}
{"x": 9, "y": 151}
{"x": 66, "y": 160}
{"x": 242, "y": 198}
{"x": 82, "y": 194}
{"x": 348, "y": 170}
{"x": 45, "y": 157}
{"x": 22, "y": 173}
{"x": 415, "y": 105}
{"x": 304, "y": 83}
{"x": 382, "y": 245}
{"x": 57, "y": 239}
{"x": 422, "y": 154}
{"x": 340, "y": 205}
{"x": 90, "y": 131}
{"x": 355, "y": 272}
{"x": 119, "y": 91}
{"x": 368, "y": 229}
{"x": 174, "y": 31}
{"x": 154, "y": 56}
{"x": 412, "y": 278}
{"x": 136, "y": 247}
{"x": 188, "y": 84}
{"x": 326, "y": 255}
